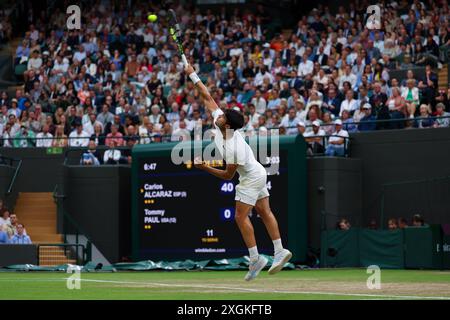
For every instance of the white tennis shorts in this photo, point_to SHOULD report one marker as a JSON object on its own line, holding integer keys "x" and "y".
{"x": 249, "y": 192}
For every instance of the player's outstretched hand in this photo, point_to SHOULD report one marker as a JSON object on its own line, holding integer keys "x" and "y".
{"x": 189, "y": 69}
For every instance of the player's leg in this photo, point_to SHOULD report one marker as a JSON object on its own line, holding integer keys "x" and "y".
{"x": 257, "y": 262}
{"x": 281, "y": 255}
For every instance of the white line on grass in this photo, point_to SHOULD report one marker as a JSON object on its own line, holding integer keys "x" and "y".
{"x": 386, "y": 296}
{"x": 267, "y": 291}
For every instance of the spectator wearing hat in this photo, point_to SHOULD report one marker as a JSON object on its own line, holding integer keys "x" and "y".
{"x": 301, "y": 127}
{"x": 78, "y": 137}
{"x": 337, "y": 141}
{"x": 315, "y": 138}
{"x": 366, "y": 123}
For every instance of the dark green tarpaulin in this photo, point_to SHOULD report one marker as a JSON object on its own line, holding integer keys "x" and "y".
{"x": 340, "y": 248}
{"x": 412, "y": 247}
{"x": 383, "y": 248}
{"x": 222, "y": 264}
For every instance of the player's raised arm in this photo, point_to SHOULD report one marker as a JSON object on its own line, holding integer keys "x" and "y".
{"x": 208, "y": 100}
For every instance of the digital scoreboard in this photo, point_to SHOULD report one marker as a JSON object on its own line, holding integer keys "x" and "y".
{"x": 180, "y": 212}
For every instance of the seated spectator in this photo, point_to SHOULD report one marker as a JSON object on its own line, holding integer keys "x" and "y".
{"x": 372, "y": 224}
{"x": 11, "y": 228}
{"x": 301, "y": 127}
{"x": 25, "y": 138}
{"x": 397, "y": 108}
{"x": 290, "y": 122}
{"x": 315, "y": 139}
{"x": 402, "y": 223}
{"x": 78, "y": 137}
{"x": 44, "y": 138}
{"x": 3, "y": 237}
{"x": 418, "y": 221}
{"x": 337, "y": 141}
{"x": 411, "y": 95}
{"x": 112, "y": 155}
{"x": 424, "y": 120}
{"x": 98, "y": 136}
{"x": 4, "y": 218}
{"x": 392, "y": 224}
{"x": 348, "y": 122}
{"x": 20, "y": 237}
{"x": 442, "y": 118}
{"x": 114, "y": 135}
{"x": 327, "y": 123}
{"x": 91, "y": 156}
{"x": 60, "y": 139}
{"x": 343, "y": 224}
{"x": 366, "y": 123}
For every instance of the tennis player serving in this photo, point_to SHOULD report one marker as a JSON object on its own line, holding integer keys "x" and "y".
{"x": 251, "y": 190}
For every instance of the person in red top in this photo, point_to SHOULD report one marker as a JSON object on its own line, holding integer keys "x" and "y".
{"x": 115, "y": 135}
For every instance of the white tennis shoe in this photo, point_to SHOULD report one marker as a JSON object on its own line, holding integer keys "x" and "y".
{"x": 280, "y": 260}
{"x": 255, "y": 268}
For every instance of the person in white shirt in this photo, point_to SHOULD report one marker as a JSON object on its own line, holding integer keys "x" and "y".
{"x": 80, "y": 55}
{"x": 347, "y": 76}
{"x": 44, "y": 139}
{"x": 349, "y": 103}
{"x": 35, "y": 62}
{"x": 337, "y": 141}
{"x": 315, "y": 138}
{"x": 259, "y": 102}
{"x": 261, "y": 75}
{"x": 253, "y": 117}
{"x": 251, "y": 192}
{"x": 305, "y": 67}
{"x": 236, "y": 50}
{"x": 112, "y": 155}
{"x": 79, "y": 137}
{"x": 181, "y": 133}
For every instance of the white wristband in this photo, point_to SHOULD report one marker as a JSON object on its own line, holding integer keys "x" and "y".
{"x": 194, "y": 77}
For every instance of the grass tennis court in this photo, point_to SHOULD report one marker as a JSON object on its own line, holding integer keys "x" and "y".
{"x": 228, "y": 285}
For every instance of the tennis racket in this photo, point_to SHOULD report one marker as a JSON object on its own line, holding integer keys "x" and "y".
{"x": 175, "y": 32}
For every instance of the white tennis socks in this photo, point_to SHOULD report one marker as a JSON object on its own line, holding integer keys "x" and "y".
{"x": 277, "y": 245}
{"x": 253, "y": 251}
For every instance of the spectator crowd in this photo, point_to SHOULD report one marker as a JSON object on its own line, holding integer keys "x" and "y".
{"x": 119, "y": 80}
{"x": 11, "y": 230}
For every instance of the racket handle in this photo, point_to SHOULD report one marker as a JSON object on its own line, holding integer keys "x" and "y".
{"x": 183, "y": 57}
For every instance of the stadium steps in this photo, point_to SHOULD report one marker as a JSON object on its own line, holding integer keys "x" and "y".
{"x": 37, "y": 211}
{"x": 443, "y": 78}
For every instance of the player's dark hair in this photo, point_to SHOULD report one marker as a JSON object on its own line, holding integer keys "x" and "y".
{"x": 234, "y": 119}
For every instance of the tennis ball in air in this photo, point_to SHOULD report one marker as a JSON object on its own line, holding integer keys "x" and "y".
{"x": 152, "y": 17}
